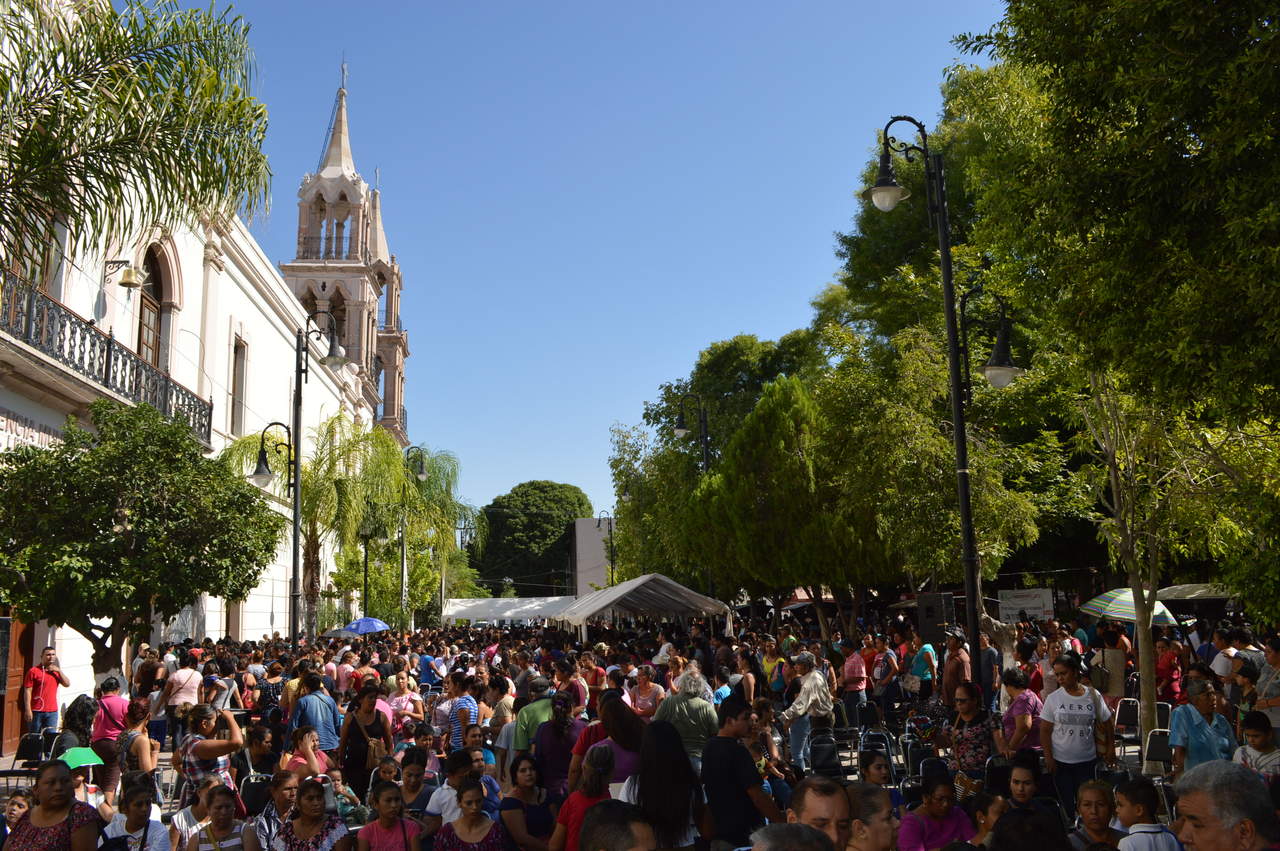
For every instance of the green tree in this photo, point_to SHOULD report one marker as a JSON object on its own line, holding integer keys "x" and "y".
{"x": 116, "y": 120}
{"x": 1146, "y": 206}
{"x": 528, "y": 536}
{"x": 111, "y": 529}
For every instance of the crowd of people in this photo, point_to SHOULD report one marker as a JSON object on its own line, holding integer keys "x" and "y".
{"x": 664, "y": 737}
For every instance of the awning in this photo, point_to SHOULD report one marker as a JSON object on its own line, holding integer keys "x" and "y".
{"x": 1194, "y": 591}
{"x": 653, "y": 594}
{"x": 505, "y": 608}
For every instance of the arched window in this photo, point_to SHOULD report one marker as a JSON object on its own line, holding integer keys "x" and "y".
{"x": 150, "y": 298}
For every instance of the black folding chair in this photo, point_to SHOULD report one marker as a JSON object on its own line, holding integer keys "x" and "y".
{"x": 1163, "y": 712}
{"x": 30, "y": 752}
{"x": 934, "y": 767}
{"x": 917, "y": 754}
{"x": 1054, "y": 805}
{"x": 824, "y": 756}
{"x": 996, "y": 776}
{"x": 1158, "y": 749}
{"x": 912, "y": 791}
{"x": 1127, "y": 732}
{"x": 255, "y": 791}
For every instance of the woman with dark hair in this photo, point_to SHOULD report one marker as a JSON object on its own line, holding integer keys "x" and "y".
{"x": 464, "y": 711}
{"x": 626, "y": 731}
{"x": 266, "y": 696}
{"x": 201, "y": 755}
{"x": 529, "y": 811}
{"x": 972, "y": 734}
{"x": 1021, "y": 730}
{"x": 873, "y": 820}
{"x": 304, "y": 757}
{"x": 1027, "y": 663}
{"x": 362, "y": 728}
{"x": 568, "y": 682}
{"x": 77, "y": 723}
{"x": 553, "y": 743}
{"x": 136, "y": 750}
{"x": 666, "y": 788}
{"x": 183, "y": 686}
{"x": 937, "y": 820}
{"x": 597, "y": 768}
{"x": 258, "y": 756}
{"x": 311, "y": 828}
{"x": 1168, "y": 673}
{"x": 57, "y": 821}
{"x": 749, "y": 685}
{"x": 223, "y": 832}
{"x": 108, "y": 723}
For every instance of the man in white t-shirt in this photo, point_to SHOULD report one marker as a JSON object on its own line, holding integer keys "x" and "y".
{"x": 1221, "y": 664}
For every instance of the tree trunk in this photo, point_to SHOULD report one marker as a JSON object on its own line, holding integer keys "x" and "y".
{"x": 815, "y": 594}
{"x": 842, "y": 619}
{"x": 1142, "y": 608}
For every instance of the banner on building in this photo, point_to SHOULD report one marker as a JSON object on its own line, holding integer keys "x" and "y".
{"x": 1036, "y": 602}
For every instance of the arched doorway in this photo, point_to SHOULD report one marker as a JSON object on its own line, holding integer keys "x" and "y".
{"x": 150, "y": 297}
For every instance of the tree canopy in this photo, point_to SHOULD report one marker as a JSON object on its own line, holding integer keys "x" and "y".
{"x": 127, "y": 523}
{"x": 528, "y": 537}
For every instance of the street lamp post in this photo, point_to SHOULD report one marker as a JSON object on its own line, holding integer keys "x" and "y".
{"x": 333, "y": 358}
{"x": 600, "y": 518}
{"x": 415, "y": 460}
{"x": 885, "y": 195}
{"x": 704, "y": 438}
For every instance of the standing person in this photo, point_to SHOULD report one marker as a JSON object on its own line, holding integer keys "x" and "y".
{"x": 924, "y": 665}
{"x": 531, "y": 716}
{"x": 646, "y": 695}
{"x": 813, "y": 701}
{"x": 406, "y": 704}
{"x": 751, "y": 677}
{"x": 362, "y": 730}
{"x": 1197, "y": 733}
{"x": 666, "y": 788}
{"x": 884, "y": 674}
{"x": 40, "y": 692}
{"x": 464, "y": 710}
{"x": 135, "y": 750}
{"x": 734, "y": 789}
{"x": 107, "y": 726}
{"x": 957, "y": 669}
{"x": 182, "y": 686}
{"x": 1168, "y": 673}
{"x": 597, "y": 768}
{"x": 774, "y": 667}
{"x": 553, "y": 743}
{"x": 1021, "y": 720}
{"x": 1073, "y": 718}
{"x": 316, "y": 709}
{"x": 988, "y": 672}
{"x": 853, "y": 679}
{"x": 1268, "y": 689}
{"x": 693, "y": 718}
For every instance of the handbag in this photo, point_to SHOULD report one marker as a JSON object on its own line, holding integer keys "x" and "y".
{"x": 375, "y": 749}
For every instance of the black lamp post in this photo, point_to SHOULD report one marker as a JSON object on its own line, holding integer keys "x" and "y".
{"x": 682, "y": 431}
{"x": 999, "y": 370}
{"x": 262, "y": 474}
{"x": 600, "y": 518}
{"x": 885, "y": 195}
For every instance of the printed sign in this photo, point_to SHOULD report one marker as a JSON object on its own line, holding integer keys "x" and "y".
{"x": 1036, "y": 602}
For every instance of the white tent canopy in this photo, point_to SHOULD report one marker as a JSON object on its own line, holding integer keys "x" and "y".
{"x": 505, "y": 608}
{"x": 653, "y": 595}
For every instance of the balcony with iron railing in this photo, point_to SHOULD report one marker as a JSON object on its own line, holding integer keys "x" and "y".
{"x": 323, "y": 248}
{"x": 33, "y": 318}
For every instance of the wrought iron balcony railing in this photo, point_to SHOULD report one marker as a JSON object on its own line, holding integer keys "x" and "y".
{"x": 28, "y": 315}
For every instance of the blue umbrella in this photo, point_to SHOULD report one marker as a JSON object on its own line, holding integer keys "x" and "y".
{"x": 364, "y": 626}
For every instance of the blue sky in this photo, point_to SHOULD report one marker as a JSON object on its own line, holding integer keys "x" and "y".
{"x": 582, "y": 196}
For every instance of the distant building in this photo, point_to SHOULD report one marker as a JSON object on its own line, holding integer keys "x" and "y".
{"x": 589, "y": 554}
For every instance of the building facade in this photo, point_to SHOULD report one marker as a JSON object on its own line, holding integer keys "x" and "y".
{"x": 209, "y": 337}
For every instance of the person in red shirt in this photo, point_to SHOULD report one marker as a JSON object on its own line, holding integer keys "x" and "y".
{"x": 853, "y": 679}
{"x": 107, "y": 726}
{"x": 40, "y": 692}
{"x": 597, "y": 768}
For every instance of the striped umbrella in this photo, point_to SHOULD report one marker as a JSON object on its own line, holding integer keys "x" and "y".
{"x": 1117, "y": 605}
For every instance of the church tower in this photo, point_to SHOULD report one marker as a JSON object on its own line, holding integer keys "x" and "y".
{"x": 343, "y": 266}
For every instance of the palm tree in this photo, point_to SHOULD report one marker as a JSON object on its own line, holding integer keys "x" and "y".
{"x": 356, "y": 479}
{"x": 111, "y": 122}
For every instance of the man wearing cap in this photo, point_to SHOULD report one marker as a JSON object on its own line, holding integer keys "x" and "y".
{"x": 814, "y": 700}
{"x": 957, "y": 669}
{"x": 532, "y": 715}
{"x": 853, "y": 679}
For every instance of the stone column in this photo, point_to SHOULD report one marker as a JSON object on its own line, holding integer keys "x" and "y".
{"x": 214, "y": 264}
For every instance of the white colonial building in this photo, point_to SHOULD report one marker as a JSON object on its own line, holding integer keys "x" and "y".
{"x": 209, "y": 337}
